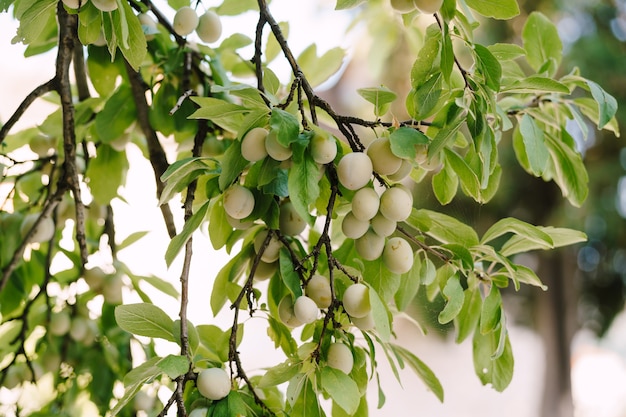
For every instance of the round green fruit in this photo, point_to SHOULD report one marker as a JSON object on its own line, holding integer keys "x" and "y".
{"x": 384, "y": 161}
{"x": 185, "y": 21}
{"x": 354, "y": 170}
{"x": 365, "y": 203}
{"x": 356, "y": 300}
{"x": 209, "y": 27}
{"x": 44, "y": 145}
{"x": 428, "y": 6}
{"x": 274, "y": 149}
{"x": 213, "y": 383}
{"x": 148, "y": 24}
{"x": 60, "y": 323}
{"x": 323, "y": 149}
{"x": 105, "y": 5}
{"x": 253, "y": 144}
{"x": 396, "y": 203}
{"x": 238, "y": 201}
{"x": 289, "y": 221}
{"x": 403, "y": 6}
{"x": 370, "y": 246}
{"x": 272, "y": 251}
{"x": 365, "y": 323}
{"x": 382, "y": 225}
{"x": 339, "y": 356}
{"x": 305, "y": 309}
{"x": 286, "y": 312}
{"x": 398, "y": 255}
{"x": 318, "y": 289}
{"x": 353, "y": 227}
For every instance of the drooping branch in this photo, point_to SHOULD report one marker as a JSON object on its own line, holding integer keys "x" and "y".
{"x": 39, "y": 91}
{"x": 157, "y": 156}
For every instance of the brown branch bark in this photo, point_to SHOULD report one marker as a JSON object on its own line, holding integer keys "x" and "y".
{"x": 158, "y": 160}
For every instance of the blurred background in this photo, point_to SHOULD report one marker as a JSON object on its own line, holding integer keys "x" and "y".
{"x": 570, "y": 341}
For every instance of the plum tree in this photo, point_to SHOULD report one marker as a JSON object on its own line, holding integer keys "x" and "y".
{"x": 317, "y": 219}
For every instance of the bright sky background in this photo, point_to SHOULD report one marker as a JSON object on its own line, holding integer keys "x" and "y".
{"x": 598, "y": 373}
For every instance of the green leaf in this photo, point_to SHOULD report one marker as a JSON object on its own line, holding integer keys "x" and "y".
{"x": 445, "y": 184}
{"x": 106, "y": 173}
{"x": 304, "y": 187}
{"x": 422, "y": 101}
{"x": 497, "y": 372}
{"x": 542, "y": 43}
{"x": 319, "y": 69}
{"x": 468, "y": 178}
{"x": 216, "y": 342}
{"x": 489, "y": 66}
{"x": 341, "y": 388}
{"x": 227, "y": 115}
{"x": 180, "y": 174}
{"x": 178, "y": 241}
{"x": 498, "y": 9}
{"x": 135, "y": 379}
{"x": 534, "y": 144}
{"x": 278, "y": 374}
{"x": 535, "y": 84}
{"x": 33, "y": 16}
{"x": 145, "y": 319}
{"x": 380, "y": 313}
{"x": 442, "y": 227}
{"x": 527, "y": 276}
{"x": 409, "y": 284}
{"x": 174, "y": 365}
{"x": 285, "y": 125}
{"x": 560, "y": 237}
{"x": 288, "y": 273}
{"x": 467, "y": 319}
{"x": 236, "y": 7}
{"x": 453, "y": 292}
{"x": 404, "y": 140}
{"x": 506, "y": 51}
{"x": 128, "y": 30}
{"x": 219, "y": 228}
{"x": 491, "y": 311}
{"x": 229, "y": 272}
{"x": 520, "y": 228}
{"x": 571, "y": 174}
{"x": 423, "y": 65}
{"x": 422, "y": 370}
{"x": 607, "y": 105}
{"x": 232, "y": 165}
{"x": 130, "y": 239}
{"x": 380, "y": 97}
{"x": 303, "y": 398}
{"x": 347, "y": 4}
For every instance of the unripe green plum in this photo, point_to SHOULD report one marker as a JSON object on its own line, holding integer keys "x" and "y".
{"x": 318, "y": 289}
{"x": 323, "y": 149}
{"x": 60, "y": 323}
{"x": 402, "y": 172}
{"x": 339, "y": 356}
{"x": 44, "y": 231}
{"x": 354, "y": 170}
{"x": 199, "y": 412}
{"x": 398, "y": 255}
{"x": 143, "y": 401}
{"x": 272, "y": 251}
{"x": 286, "y": 312}
{"x": 253, "y": 144}
{"x": 209, "y": 27}
{"x": 305, "y": 309}
{"x": 396, "y": 203}
{"x": 74, "y": 4}
{"x": 79, "y": 329}
{"x": 403, "y": 6}
{"x": 112, "y": 289}
{"x": 356, "y": 300}
{"x": 365, "y": 203}
{"x": 212, "y": 146}
{"x": 274, "y": 149}
{"x": 213, "y": 383}
{"x": 265, "y": 270}
{"x": 365, "y": 323}
{"x": 369, "y": 246}
{"x": 148, "y": 24}
{"x": 384, "y": 161}
{"x": 239, "y": 224}
{"x": 238, "y": 201}
{"x": 44, "y": 145}
{"x": 382, "y": 225}
{"x": 428, "y": 6}
{"x": 290, "y": 222}
{"x": 185, "y": 21}
{"x": 105, "y": 5}
{"x": 353, "y": 227}
{"x": 94, "y": 277}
